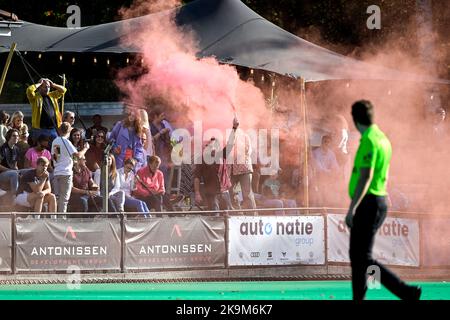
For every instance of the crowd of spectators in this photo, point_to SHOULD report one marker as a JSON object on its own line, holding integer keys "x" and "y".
{"x": 52, "y": 165}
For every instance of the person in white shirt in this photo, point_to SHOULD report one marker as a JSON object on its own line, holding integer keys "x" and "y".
{"x": 127, "y": 185}
{"x": 63, "y": 152}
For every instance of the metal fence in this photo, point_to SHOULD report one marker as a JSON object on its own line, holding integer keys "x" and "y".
{"x": 187, "y": 240}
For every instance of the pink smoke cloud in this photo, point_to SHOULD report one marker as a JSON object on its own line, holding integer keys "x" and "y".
{"x": 195, "y": 88}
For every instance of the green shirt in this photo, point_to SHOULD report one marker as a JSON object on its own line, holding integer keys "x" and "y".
{"x": 374, "y": 152}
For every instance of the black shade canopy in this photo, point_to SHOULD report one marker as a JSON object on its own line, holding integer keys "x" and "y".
{"x": 227, "y": 30}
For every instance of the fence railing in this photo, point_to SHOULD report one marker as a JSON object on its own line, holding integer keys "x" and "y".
{"x": 186, "y": 240}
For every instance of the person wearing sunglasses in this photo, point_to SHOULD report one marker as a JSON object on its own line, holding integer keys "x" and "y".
{"x": 94, "y": 156}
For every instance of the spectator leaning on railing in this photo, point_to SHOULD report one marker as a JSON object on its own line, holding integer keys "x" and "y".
{"x": 45, "y": 111}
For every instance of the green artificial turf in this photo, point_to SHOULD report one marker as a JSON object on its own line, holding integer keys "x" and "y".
{"x": 254, "y": 290}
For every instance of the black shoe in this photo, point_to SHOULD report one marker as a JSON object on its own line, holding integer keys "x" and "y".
{"x": 416, "y": 292}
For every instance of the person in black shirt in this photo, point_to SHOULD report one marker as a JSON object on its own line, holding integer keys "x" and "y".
{"x": 46, "y": 114}
{"x": 35, "y": 190}
{"x": 97, "y": 127}
{"x": 9, "y": 174}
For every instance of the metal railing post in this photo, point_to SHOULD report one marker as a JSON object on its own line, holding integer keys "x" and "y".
{"x": 104, "y": 182}
{"x": 122, "y": 242}
{"x": 226, "y": 238}
{"x": 13, "y": 242}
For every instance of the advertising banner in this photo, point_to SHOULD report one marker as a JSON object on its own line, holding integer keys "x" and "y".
{"x": 5, "y": 244}
{"x": 396, "y": 242}
{"x": 435, "y": 235}
{"x": 175, "y": 242}
{"x": 56, "y": 245}
{"x": 276, "y": 240}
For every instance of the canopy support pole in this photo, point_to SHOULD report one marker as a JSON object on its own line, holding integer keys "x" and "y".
{"x": 62, "y": 99}
{"x": 303, "y": 108}
{"x": 5, "y": 69}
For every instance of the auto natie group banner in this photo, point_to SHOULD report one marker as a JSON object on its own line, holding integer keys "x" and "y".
{"x": 175, "y": 242}
{"x": 89, "y": 244}
{"x": 276, "y": 240}
{"x": 396, "y": 242}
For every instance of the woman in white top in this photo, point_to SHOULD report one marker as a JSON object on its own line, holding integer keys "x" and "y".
{"x": 116, "y": 195}
{"x": 127, "y": 185}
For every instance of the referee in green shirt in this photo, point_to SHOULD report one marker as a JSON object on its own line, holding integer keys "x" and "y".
{"x": 368, "y": 207}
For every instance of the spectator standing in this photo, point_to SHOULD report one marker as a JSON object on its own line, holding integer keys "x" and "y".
{"x": 45, "y": 111}
{"x": 63, "y": 152}
{"x": 161, "y": 132}
{"x": 127, "y": 137}
{"x": 242, "y": 169}
{"x": 215, "y": 175}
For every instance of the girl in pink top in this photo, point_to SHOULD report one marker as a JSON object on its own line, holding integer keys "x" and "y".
{"x": 40, "y": 150}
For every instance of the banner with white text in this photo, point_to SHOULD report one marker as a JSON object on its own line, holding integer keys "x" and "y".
{"x": 174, "y": 242}
{"x": 396, "y": 242}
{"x": 276, "y": 240}
{"x": 63, "y": 244}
